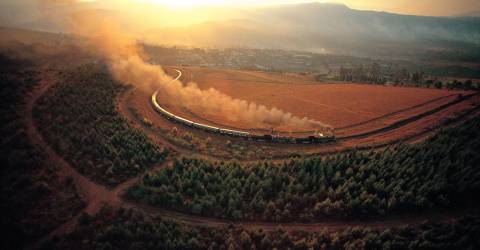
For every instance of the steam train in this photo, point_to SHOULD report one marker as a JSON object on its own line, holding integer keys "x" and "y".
{"x": 315, "y": 138}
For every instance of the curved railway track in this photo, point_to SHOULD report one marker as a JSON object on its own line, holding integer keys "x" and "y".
{"x": 407, "y": 120}
{"x": 96, "y": 195}
{"x": 312, "y": 138}
{"x": 394, "y": 113}
{"x": 411, "y": 130}
{"x": 321, "y": 138}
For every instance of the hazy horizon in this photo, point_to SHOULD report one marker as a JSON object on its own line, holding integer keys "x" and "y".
{"x": 325, "y": 28}
{"x": 404, "y": 7}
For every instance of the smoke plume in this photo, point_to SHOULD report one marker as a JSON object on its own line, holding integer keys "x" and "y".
{"x": 128, "y": 65}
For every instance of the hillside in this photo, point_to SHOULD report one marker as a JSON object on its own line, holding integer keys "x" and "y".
{"x": 316, "y": 27}
{"x": 330, "y": 28}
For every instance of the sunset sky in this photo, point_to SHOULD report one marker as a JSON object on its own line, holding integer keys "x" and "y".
{"x": 417, "y": 7}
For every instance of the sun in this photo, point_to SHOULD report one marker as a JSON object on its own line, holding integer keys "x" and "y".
{"x": 190, "y": 3}
{"x": 196, "y": 3}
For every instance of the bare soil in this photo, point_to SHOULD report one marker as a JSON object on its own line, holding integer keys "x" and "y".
{"x": 337, "y": 104}
{"x": 95, "y": 195}
{"x": 410, "y": 123}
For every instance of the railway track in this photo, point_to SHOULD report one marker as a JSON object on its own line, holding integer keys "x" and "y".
{"x": 407, "y": 120}
{"x": 311, "y": 138}
{"x": 314, "y": 139}
{"x": 394, "y": 113}
{"x": 96, "y": 195}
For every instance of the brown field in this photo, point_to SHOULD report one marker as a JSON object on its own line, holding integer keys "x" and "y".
{"x": 370, "y": 135}
{"x": 386, "y": 114}
{"x": 350, "y": 108}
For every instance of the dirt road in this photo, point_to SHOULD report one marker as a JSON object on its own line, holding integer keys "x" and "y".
{"x": 95, "y": 195}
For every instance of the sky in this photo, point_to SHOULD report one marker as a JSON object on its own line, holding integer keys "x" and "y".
{"x": 414, "y": 7}
{"x": 417, "y": 7}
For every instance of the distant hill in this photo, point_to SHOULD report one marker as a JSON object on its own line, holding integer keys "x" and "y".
{"x": 12, "y": 36}
{"x": 316, "y": 27}
{"x": 470, "y": 14}
{"x": 330, "y": 27}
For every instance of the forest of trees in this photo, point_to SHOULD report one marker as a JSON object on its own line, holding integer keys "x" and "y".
{"x": 440, "y": 172}
{"x": 33, "y": 200}
{"x": 375, "y": 74}
{"x": 79, "y": 119}
{"x": 127, "y": 229}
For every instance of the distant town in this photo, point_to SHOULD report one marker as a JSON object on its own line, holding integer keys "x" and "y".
{"x": 322, "y": 67}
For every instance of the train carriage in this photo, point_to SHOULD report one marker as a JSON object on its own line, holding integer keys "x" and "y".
{"x": 316, "y": 138}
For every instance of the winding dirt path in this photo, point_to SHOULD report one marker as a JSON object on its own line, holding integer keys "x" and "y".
{"x": 123, "y": 108}
{"x": 95, "y": 195}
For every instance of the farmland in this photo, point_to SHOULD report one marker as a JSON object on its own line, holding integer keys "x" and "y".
{"x": 362, "y": 115}
{"x": 338, "y": 105}
{"x": 90, "y": 164}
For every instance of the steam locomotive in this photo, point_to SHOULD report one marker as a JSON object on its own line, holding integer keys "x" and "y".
{"x": 315, "y": 138}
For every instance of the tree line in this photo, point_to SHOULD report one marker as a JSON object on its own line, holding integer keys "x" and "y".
{"x": 33, "y": 200}
{"x": 127, "y": 229}
{"x": 375, "y": 74}
{"x": 440, "y": 172}
{"x": 79, "y": 119}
